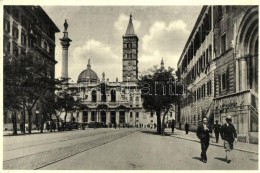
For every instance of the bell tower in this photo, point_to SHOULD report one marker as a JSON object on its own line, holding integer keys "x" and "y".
{"x": 130, "y": 54}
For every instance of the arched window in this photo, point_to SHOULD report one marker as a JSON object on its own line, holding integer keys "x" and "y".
{"x": 94, "y": 96}
{"x": 113, "y": 95}
{"x": 103, "y": 93}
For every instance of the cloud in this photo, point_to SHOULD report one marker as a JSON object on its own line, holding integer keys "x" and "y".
{"x": 164, "y": 40}
{"x": 122, "y": 22}
{"x": 102, "y": 58}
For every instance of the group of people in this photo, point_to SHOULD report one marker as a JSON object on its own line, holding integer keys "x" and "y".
{"x": 227, "y": 132}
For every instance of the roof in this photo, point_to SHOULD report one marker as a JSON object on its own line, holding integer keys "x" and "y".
{"x": 130, "y": 28}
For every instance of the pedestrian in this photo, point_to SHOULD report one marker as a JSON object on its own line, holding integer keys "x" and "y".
{"x": 21, "y": 126}
{"x": 229, "y": 135}
{"x": 173, "y": 126}
{"x": 179, "y": 126}
{"x": 47, "y": 126}
{"x": 203, "y": 135}
{"x": 115, "y": 125}
{"x": 187, "y": 126}
{"x": 216, "y": 128}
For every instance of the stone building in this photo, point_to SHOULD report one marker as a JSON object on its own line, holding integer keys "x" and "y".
{"x": 227, "y": 74}
{"x": 28, "y": 28}
{"x": 114, "y": 102}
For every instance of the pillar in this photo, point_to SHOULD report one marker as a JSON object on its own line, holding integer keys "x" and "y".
{"x": 65, "y": 42}
{"x": 98, "y": 116}
{"x": 117, "y": 117}
{"x": 127, "y": 117}
{"x": 108, "y": 117}
{"x": 89, "y": 116}
{"x": 80, "y": 118}
{"x": 243, "y": 71}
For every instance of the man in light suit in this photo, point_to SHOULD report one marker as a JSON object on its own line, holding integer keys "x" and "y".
{"x": 203, "y": 135}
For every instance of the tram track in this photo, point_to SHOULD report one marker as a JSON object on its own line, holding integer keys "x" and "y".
{"x": 42, "y": 159}
{"x": 55, "y": 140}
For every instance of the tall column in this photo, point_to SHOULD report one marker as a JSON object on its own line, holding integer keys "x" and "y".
{"x": 108, "y": 117}
{"x": 117, "y": 117}
{"x": 65, "y": 42}
{"x": 243, "y": 71}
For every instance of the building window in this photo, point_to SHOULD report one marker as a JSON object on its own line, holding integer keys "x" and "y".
{"x": 223, "y": 43}
{"x": 223, "y": 81}
{"x": 15, "y": 32}
{"x": 45, "y": 45}
{"x": 23, "y": 39}
{"x": 94, "y": 96}
{"x": 151, "y": 114}
{"x": 6, "y": 45}
{"x": 137, "y": 114}
{"x": 15, "y": 49}
{"x": 23, "y": 21}
{"x": 6, "y": 26}
{"x": 131, "y": 114}
{"x": 209, "y": 88}
{"x": 93, "y": 116}
{"x": 16, "y": 14}
{"x": 85, "y": 116}
{"x": 113, "y": 95}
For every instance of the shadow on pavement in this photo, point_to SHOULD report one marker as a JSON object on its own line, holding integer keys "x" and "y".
{"x": 196, "y": 158}
{"x": 221, "y": 159}
{"x": 153, "y": 133}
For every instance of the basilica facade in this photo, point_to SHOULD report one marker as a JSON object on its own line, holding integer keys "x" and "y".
{"x": 115, "y": 102}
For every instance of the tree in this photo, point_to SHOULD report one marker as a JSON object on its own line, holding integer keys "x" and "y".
{"x": 11, "y": 89}
{"x": 31, "y": 79}
{"x": 66, "y": 101}
{"x": 160, "y": 91}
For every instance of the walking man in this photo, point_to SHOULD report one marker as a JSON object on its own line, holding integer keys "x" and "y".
{"x": 173, "y": 125}
{"x": 203, "y": 135}
{"x": 216, "y": 129}
{"x": 229, "y": 135}
{"x": 187, "y": 126}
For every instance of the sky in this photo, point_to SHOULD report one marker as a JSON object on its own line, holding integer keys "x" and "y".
{"x": 96, "y": 33}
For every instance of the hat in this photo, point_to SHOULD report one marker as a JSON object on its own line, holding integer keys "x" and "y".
{"x": 228, "y": 117}
{"x": 216, "y": 121}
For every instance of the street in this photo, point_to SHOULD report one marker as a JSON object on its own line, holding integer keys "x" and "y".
{"x": 115, "y": 149}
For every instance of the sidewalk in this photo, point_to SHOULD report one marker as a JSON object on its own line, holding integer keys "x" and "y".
{"x": 10, "y": 133}
{"x": 245, "y": 147}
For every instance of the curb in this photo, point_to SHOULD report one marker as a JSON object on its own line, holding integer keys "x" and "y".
{"x": 195, "y": 140}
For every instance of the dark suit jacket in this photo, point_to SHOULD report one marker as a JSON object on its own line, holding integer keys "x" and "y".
{"x": 228, "y": 133}
{"x": 202, "y": 134}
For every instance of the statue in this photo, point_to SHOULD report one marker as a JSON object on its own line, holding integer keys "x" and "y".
{"x": 66, "y": 24}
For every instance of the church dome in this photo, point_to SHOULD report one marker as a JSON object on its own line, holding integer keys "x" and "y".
{"x": 88, "y": 75}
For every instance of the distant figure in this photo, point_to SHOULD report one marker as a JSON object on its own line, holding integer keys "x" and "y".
{"x": 203, "y": 135}
{"x": 179, "y": 126}
{"x": 47, "y": 126}
{"x": 21, "y": 127}
{"x": 115, "y": 125}
{"x": 187, "y": 126}
{"x": 229, "y": 135}
{"x": 173, "y": 126}
{"x": 216, "y": 129}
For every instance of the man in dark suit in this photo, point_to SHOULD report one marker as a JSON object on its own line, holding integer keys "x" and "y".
{"x": 216, "y": 129}
{"x": 203, "y": 135}
{"x": 229, "y": 135}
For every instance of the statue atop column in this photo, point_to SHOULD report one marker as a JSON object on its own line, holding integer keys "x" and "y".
{"x": 65, "y": 25}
